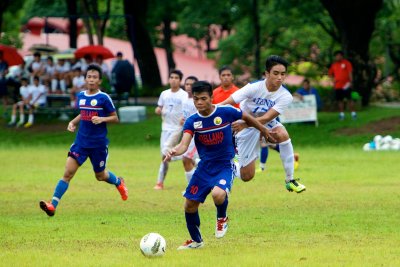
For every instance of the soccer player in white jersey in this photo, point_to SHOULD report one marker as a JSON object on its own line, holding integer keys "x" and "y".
{"x": 265, "y": 100}
{"x": 96, "y": 111}
{"x": 170, "y": 108}
{"x": 188, "y": 108}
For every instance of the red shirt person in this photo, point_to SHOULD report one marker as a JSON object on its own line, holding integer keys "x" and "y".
{"x": 226, "y": 88}
{"x": 342, "y": 73}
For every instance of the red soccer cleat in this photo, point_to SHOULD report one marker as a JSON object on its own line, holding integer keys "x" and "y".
{"x": 123, "y": 190}
{"x": 47, "y": 207}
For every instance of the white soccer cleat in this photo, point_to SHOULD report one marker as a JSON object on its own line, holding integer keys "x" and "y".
{"x": 221, "y": 227}
{"x": 190, "y": 244}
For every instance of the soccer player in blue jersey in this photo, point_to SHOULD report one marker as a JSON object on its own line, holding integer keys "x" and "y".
{"x": 211, "y": 129}
{"x": 96, "y": 110}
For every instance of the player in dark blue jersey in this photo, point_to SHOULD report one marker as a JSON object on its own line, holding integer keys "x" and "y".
{"x": 211, "y": 129}
{"x": 96, "y": 110}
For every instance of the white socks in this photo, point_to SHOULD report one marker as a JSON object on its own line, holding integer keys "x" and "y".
{"x": 189, "y": 174}
{"x": 162, "y": 172}
{"x": 287, "y": 158}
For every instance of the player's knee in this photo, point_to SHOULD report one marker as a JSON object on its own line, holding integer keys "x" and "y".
{"x": 100, "y": 176}
{"x": 246, "y": 175}
{"x": 190, "y": 206}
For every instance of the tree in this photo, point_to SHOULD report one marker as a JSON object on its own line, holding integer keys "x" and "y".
{"x": 73, "y": 17}
{"x": 139, "y": 37}
{"x": 355, "y": 22}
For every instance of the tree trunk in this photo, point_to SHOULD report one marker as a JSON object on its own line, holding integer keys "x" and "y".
{"x": 139, "y": 37}
{"x": 355, "y": 21}
{"x": 73, "y": 31}
{"x": 167, "y": 43}
{"x": 86, "y": 21}
{"x": 256, "y": 24}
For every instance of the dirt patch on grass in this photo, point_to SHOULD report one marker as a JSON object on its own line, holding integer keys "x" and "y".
{"x": 383, "y": 126}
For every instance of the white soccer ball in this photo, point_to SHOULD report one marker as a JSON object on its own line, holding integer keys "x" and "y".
{"x": 153, "y": 245}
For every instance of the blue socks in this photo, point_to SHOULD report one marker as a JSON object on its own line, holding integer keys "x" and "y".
{"x": 221, "y": 209}
{"x": 264, "y": 154}
{"x": 193, "y": 225}
{"x": 61, "y": 188}
{"x": 112, "y": 179}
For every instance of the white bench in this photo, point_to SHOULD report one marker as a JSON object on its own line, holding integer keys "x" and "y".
{"x": 132, "y": 114}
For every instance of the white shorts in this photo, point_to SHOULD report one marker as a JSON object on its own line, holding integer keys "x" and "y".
{"x": 248, "y": 143}
{"x": 169, "y": 139}
{"x": 191, "y": 152}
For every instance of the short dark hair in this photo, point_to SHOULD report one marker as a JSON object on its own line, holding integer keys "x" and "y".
{"x": 194, "y": 78}
{"x": 202, "y": 86}
{"x": 95, "y": 67}
{"x": 225, "y": 67}
{"x": 177, "y": 72}
{"x": 306, "y": 81}
{"x": 338, "y": 52}
{"x": 119, "y": 54}
{"x": 36, "y": 78}
{"x": 24, "y": 79}
{"x": 37, "y": 54}
{"x": 275, "y": 60}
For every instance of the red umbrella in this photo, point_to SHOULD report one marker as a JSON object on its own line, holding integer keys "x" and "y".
{"x": 93, "y": 51}
{"x": 11, "y": 55}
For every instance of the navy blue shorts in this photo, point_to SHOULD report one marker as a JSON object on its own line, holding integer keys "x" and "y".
{"x": 98, "y": 156}
{"x": 206, "y": 178}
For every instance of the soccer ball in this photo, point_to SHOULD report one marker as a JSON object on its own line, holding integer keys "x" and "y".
{"x": 153, "y": 245}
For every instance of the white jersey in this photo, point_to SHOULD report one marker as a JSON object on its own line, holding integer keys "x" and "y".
{"x": 78, "y": 81}
{"x": 50, "y": 69}
{"x": 256, "y": 100}
{"x": 171, "y": 103}
{"x": 188, "y": 108}
{"x": 24, "y": 92}
{"x": 38, "y": 91}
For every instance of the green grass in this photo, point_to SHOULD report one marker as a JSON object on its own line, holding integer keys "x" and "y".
{"x": 347, "y": 217}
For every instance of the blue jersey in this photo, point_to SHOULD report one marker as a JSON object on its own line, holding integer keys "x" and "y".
{"x": 92, "y": 135}
{"x": 213, "y": 134}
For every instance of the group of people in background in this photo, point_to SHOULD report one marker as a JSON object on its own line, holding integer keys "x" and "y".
{"x": 32, "y": 83}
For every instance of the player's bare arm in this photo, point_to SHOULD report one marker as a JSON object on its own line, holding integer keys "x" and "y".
{"x": 228, "y": 101}
{"x": 180, "y": 148}
{"x": 268, "y": 116}
{"x": 113, "y": 117}
{"x": 72, "y": 124}
{"x": 253, "y": 122}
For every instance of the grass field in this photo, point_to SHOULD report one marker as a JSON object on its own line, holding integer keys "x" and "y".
{"x": 347, "y": 217}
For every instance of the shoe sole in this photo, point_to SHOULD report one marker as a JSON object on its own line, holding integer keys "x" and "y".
{"x": 291, "y": 190}
{"x": 43, "y": 206}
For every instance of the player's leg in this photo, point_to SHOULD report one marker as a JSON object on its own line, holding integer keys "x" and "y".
{"x": 30, "y": 117}
{"x": 188, "y": 160}
{"x": 163, "y": 169}
{"x": 14, "y": 113}
{"x": 222, "y": 185}
{"x": 248, "y": 146}
{"x": 220, "y": 198}
{"x": 339, "y": 96}
{"x": 263, "y": 157}
{"x": 193, "y": 225}
{"x": 98, "y": 157}
{"x": 71, "y": 167}
{"x": 287, "y": 157}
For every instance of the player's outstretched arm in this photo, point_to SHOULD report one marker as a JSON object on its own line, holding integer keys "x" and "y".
{"x": 253, "y": 122}
{"x": 180, "y": 148}
{"x": 228, "y": 101}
